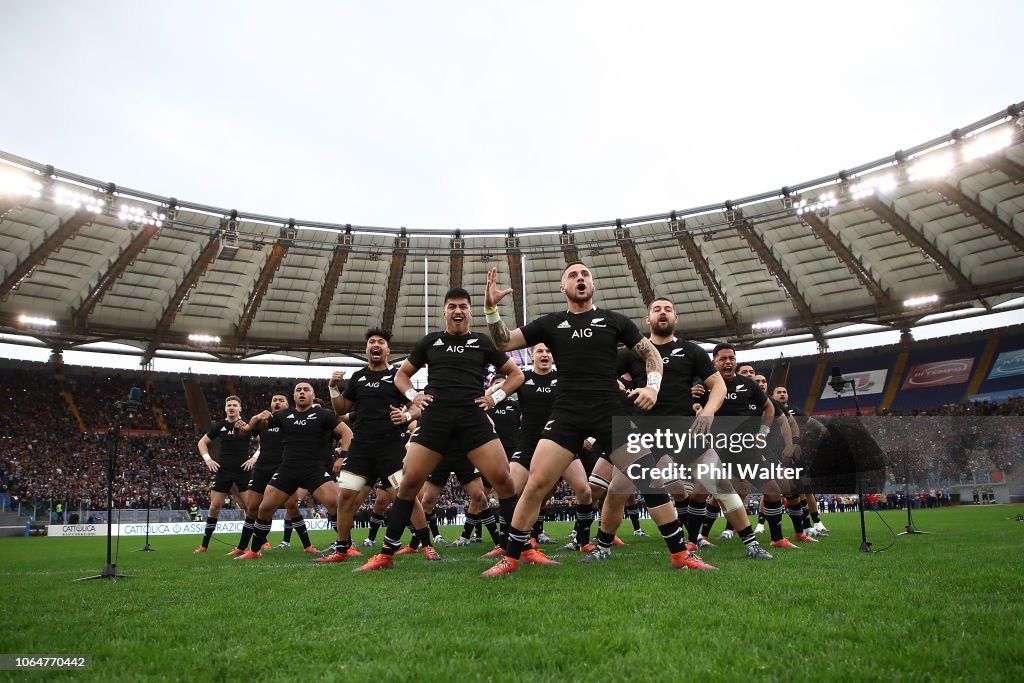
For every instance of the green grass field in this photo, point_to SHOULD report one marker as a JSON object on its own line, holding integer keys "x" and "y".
{"x": 943, "y": 606}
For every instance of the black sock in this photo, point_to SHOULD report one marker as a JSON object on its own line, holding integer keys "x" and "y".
{"x": 375, "y": 524}
{"x": 507, "y": 508}
{"x": 487, "y": 519}
{"x": 747, "y": 536}
{"x": 710, "y": 515}
{"x": 633, "y": 515}
{"x": 544, "y": 512}
{"x": 674, "y": 537}
{"x": 423, "y": 537}
{"x": 261, "y": 527}
{"x": 517, "y": 542}
{"x": 332, "y": 521}
{"x": 538, "y": 528}
{"x": 478, "y": 530}
{"x": 773, "y": 515}
{"x": 247, "y": 531}
{"x": 343, "y": 546}
{"x": 796, "y": 517}
{"x": 605, "y": 539}
{"x": 695, "y": 520}
{"x": 761, "y": 515}
{"x": 584, "y": 520}
{"x": 805, "y": 513}
{"x": 299, "y": 524}
{"x": 401, "y": 513}
{"x": 682, "y": 512}
{"x": 432, "y": 524}
{"x": 211, "y": 526}
{"x": 815, "y": 518}
{"x": 414, "y": 542}
{"x": 472, "y": 520}
{"x": 287, "y": 530}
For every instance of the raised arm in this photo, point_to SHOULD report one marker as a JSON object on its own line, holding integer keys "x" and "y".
{"x": 504, "y": 338}
{"x": 646, "y": 397}
{"x": 339, "y": 403}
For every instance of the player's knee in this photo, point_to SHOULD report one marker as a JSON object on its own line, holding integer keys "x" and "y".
{"x": 654, "y": 500}
{"x": 584, "y": 496}
{"x": 729, "y": 501}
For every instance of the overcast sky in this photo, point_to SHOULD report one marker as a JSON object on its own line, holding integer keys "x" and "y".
{"x": 487, "y": 115}
{"x": 447, "y": 115}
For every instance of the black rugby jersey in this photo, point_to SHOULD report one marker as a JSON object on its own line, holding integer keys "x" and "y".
{"x": 373, "y": 392}
{"x": 456, "y": 364}
{"x": 506, "y": 416}
{"x": 234, "y": 449}
{"x": 743, "y": 398}
{"x": 801, "y": 417}
{"x": 780, "y": 410}
{"x": 271, "y": 448}
{"x": 536, "y": 397}
{"x": 304, "y": 433}
{"x": 685, "y": 363}
{"x": 585, "y": 346}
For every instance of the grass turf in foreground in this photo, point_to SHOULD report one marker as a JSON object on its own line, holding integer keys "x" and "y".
{"x": 944, "y": 605}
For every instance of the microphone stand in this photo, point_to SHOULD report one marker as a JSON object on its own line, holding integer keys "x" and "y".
{"x": 911, "y": 531}
{"x": 838, "y": 384}
{"x": 110, "y": 569}
{"x": 149, "y": 498}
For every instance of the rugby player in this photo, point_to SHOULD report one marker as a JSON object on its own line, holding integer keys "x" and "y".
{"x": 585, "y": 341}
{"x": 452, "y": 406}
{"x": 228, "y": 474}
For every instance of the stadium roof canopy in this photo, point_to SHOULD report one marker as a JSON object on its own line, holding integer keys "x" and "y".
{"x": 940, "y": 224}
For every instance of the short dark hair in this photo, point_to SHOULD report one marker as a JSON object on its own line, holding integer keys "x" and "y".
{"x": 720, "y": 347}
{"x": 745, "y": 364}
{"x": 378, "y": 332}
{"x": 570, "y": 264}
{"x": 660, "y": 298}
{"x": 457, "y": 293}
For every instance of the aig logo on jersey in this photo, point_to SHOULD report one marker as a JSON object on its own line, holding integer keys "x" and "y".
{"x": 585, "y": 332}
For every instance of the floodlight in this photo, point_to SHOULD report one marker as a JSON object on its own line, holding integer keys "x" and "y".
{"x": 35, "y": 321}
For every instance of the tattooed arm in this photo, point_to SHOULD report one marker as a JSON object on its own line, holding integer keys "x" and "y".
{"x": 646, "y": 397}
{"x": 504, "y": 338}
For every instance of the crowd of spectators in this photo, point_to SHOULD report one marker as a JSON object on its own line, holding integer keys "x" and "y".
{"x": 46, "y": 458}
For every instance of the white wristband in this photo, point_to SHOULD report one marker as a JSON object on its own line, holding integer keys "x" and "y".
{"x": 206, "y": 456}
{"x": 408, "y": 417}
{"x": 591, "y": 441}
{"x": 256, "y": 455}
{"x": 334, "y": 392}
{"x": 498, "y": 396}
{"x": 654, "y": 380}
{"x": 763, "y": 430}
{"x": 411, "y": 394}
{"x": 493, "y": 317}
